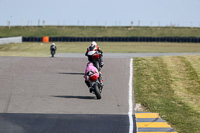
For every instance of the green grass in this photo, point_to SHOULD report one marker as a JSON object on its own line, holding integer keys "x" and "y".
{"x": 37, "y": 50}
{"x": 98, "y": 31}
{"x": 170, "y": 85}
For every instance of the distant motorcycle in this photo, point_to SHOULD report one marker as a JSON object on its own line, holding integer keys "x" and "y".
{"x": 97, "y": 86}
{"x": 53, "y": 49}
{"x": 94, "y": 57}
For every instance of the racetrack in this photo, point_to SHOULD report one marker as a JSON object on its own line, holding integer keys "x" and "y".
{"x": 49, "y": 95}
{"x": 124, "y": 55}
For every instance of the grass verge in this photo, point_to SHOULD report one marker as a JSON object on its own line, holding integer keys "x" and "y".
{"x": 99, "y": 31}
{"x": 42, "y": 49}
{"x": 170, "y": 85}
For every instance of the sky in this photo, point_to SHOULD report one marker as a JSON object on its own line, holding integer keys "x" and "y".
{"x": 101, "y": 12}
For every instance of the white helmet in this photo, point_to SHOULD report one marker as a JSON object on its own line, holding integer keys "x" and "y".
{"x": 93, "y": 44}
{"x": 53, "y": 44}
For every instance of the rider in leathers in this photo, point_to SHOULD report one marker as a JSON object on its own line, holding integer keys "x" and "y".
{"x": 94, "y": 47}
{"x": 53, "y": 48}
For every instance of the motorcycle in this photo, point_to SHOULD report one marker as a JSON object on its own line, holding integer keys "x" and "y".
{"x": 94, "y": 57}
{"x": 53, "y": 50}
{"x": 96, "y": 84}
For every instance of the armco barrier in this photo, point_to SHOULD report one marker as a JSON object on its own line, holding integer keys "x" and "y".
{"x": 114, "y": 39}
{"x": 11, "y": 40}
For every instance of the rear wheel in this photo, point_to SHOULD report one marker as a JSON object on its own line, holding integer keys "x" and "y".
{"x": 52, "y": 53}
{"x": 97, "y": 92}
{"x": 96, "y": 64}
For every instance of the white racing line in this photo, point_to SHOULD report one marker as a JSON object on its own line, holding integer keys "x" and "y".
{"x": 130, "y": 113}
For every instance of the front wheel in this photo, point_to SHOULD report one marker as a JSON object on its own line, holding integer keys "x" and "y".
{"x": 97, "y": 92}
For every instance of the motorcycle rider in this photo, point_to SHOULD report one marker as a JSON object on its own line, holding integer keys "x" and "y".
{"x": 94, "y": 47}
{"x": 91, "y": 73}
{"x": 53, "y": 49}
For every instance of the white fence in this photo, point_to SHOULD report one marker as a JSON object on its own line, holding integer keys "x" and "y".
{"x": 10, "y": 40}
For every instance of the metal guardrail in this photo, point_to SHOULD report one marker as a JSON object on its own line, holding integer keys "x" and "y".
{"x": 11, "y": 40}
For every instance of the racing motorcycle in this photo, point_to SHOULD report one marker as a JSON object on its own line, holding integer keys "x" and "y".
{"x": 96, "y": 85}
{"x": 53, "y": 50}
{"x": 94, "y": 57}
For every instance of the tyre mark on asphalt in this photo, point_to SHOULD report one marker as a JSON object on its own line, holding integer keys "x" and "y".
{"x": 11, "y": 89}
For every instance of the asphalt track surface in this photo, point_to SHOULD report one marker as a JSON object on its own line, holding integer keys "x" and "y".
{"x": 48, "y": 95}
{"x": 125, "y": 55}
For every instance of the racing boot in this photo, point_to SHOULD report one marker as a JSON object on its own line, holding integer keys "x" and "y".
{"x": 89, "y": 86}
{"x": 91, "y": 89}
{"x": 101, "y": 64}
{"x": 101, "y": 61}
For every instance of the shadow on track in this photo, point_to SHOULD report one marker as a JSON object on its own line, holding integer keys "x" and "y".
{"x": 77, "y": 97}
{"x": 74, "y": 73}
